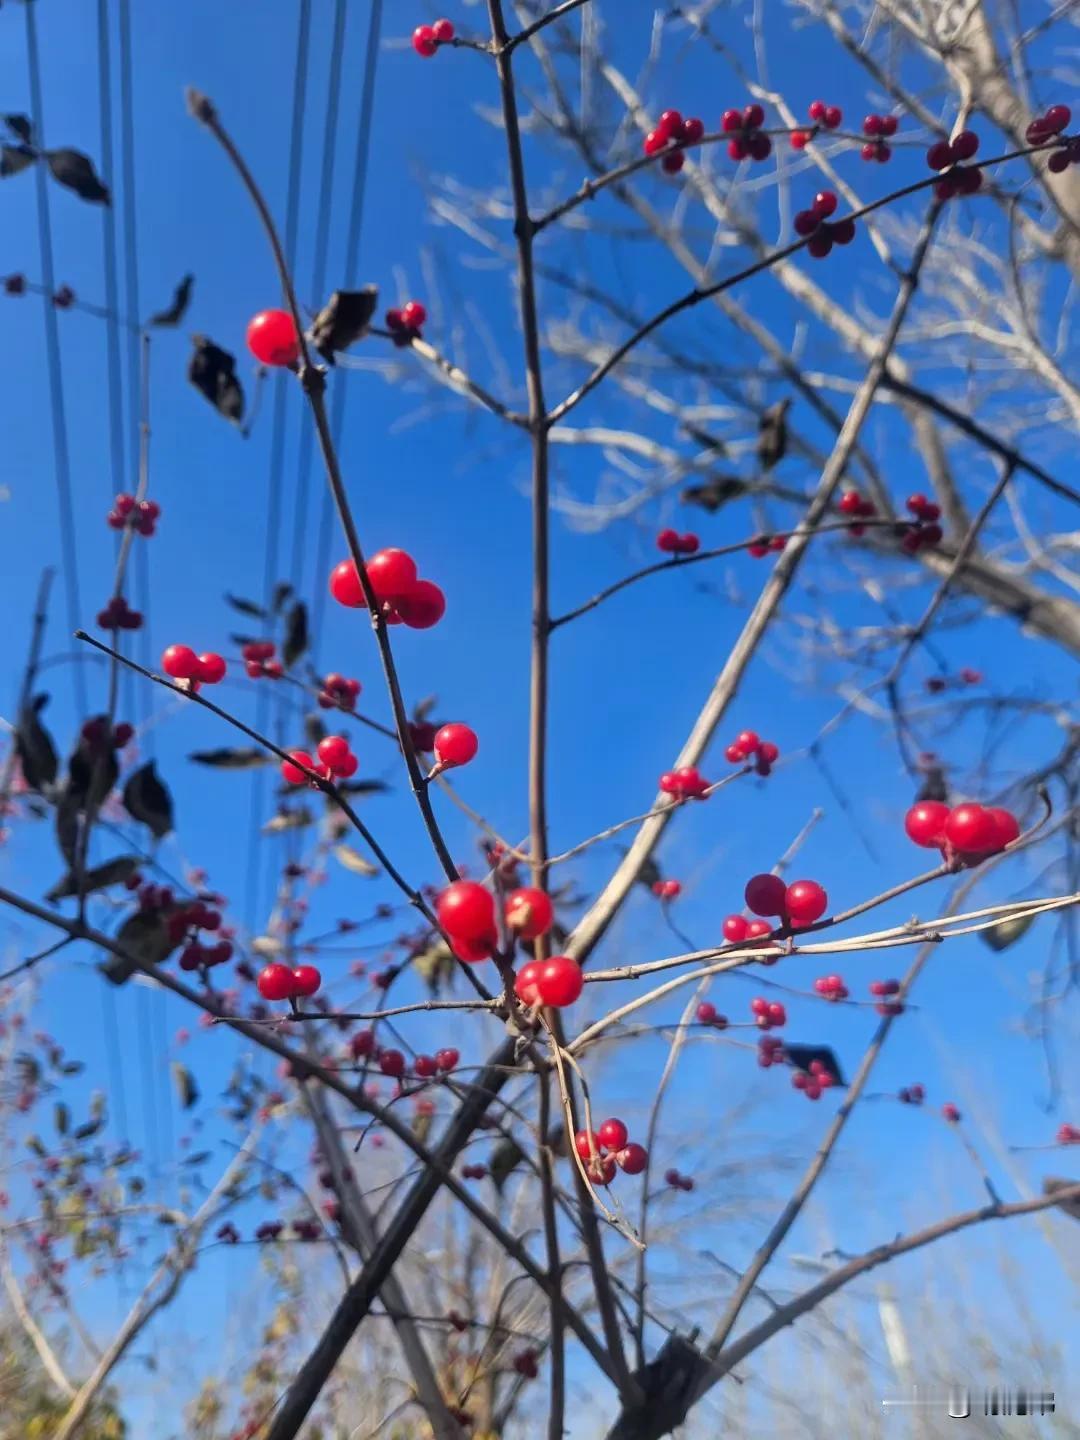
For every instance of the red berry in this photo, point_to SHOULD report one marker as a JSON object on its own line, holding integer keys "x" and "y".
{"x": 632, "y": 1158}
{"x": 424, "y": 1067}
{"x": 753, "y": 116}
{"x": 115, "y": 521}
{"x": 211, "y": 668}
{"x": 272, "y": 338}
{"x": 291, "y": 773}
{"x": 473, "y": 951}
{"x": 345, "y": 585}
{"x": 333, "y": 751}
{"x": 613, "y": 1135}
{"x": 734, "y": 929}
{"x": 731, "y": 120}
{"x": 872, "y": 125}
{"x": 392, "y": 573}
{"x": 601, "y": 1171}
{"x": 760, "y": 146}
{"x": 1056, "y": 119}
{"x": 447, "y": 1059}
{"x": 1006, "y": 826}
{"x": 692, "y": 131}
{"x": 806, "y": 222}
{"x": 424, "y": 41}
{"x": 738, "y": 149}
{"x": 843, "y": 231}
{"x": 971, "y": 830}
{"x": 653, "y": 143}
{"x": 768, "y": 752}
{"x": 800, "y": 139}
{"x": 964, "y": 145}
{"x": 560, "y": 981}
{"x": 306, "y": 980}
{"x": 816, "y": 110}
{"x": 455, "y": 745}
{"x": 825, "y": 202}
{"x": 748, "y": 741}
{"x": 526, "y": 984}
{"x": 805, "y": 902}
{"x": 706, "y": 1013}
{"x": 276, "y": 982}
{"x": 668, "y": 541}
{"x": 529, "y": 912}
{"x": 925, "y": 823}
{"x": 423, "y": 606}
{"x": 392, "y": 1063}
{"x": 833, "y": 116}
{"x": 950, "y": 1113}
{"x": 889, "y": 124}
{"x": 466, "y": 911}
{"x": 765, "y": 894}
{"x": 940, "y": 155}
{"x": 819, "y": 245}
{"x": 586, "y": 1143}
{"x": 670, "y": 125}
{"x": 180, "y": 662}
{"x": 413, "y": 315}
{"x": 734, "y": 755}
{"x": 443, "y": 31}
{"x": 673, "y": 163}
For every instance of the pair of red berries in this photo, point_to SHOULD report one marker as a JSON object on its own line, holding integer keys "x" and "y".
{"x": 259, "y": 662}
{"x": 949, "y": 155}
{"x": 969, "y": 831}
{"x": 454, "y": 744}
{"x": 405, "y": 323}
{"x": 556, "y": 982}
{"x": 667, "y": 889}
{"x": 951, "y": 1113}
{"x": 737, "y": 929}
{"x": 749, "y": 745}
{"x": 672, "y": 130}
{"x": 273, "y": 339}
{"x": 685, "y": 784}
{"x": 672, "y": 543}
{"x": 879, "y": 128}
{"x": 677, "y": 1181}
{"x": 607, "y": 1147}
{"x": 768, "y": 1014}
{"x": 912, "y": 1095}
{"x": 402, "y": 597}
{"x": 141, "y": 515}
{"x": 831, "y": 987}
{"x": 822, "y": 233}
{"x": 203, "y": 957}
{"x": 97, "y": 735}
{"x": 827, "y": 116}
{"x": 1045, "y": 127}
{"x": 761, "y": 545}
{"x": 466, "y": 911}
{"x": 278, "y": 982}
{"x": 855, "y": 504}
{"x": 748, "y": 140}
{"x": 426, "y": 1067}
{"x": 338, "y": 693}
{"x": 426, "y": 39}
{"x": 336, "y": 761}
{"x": 118, "y": 615}
{"x": 707, "y": 1014}
{"x": 800, "y": 904}
{"x": 181, "y": 663}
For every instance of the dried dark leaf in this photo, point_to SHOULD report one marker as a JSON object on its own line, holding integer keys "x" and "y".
{"x": 505, "y": 1159}
{"x": 186, "y": 1087}
{"x": 423, "y": 708}
{"x": 178, "y": 308}
{"x": 296, "y": 634}
{"x": 287, "y": 819}
{"x": 803, "y": 1056}
{"x": 241, "y": 640}
{"x": 282, "y": 591}
{"x": 1052, "y": 1184}
{"x": 21, "y": 126}
{"x": 246, "y": 607}
{"x": 772, "y": 434}
{"x": 711, "y": 494}
{"x": 15, "y": 158}
{"x": 147, "y": 799}
{"x": 34, "y": 746}
{"x": 67, "y": 824}
{"x": 91, "y": 1127}
{"x": 199, "y": 1158}
{"x": 72, "y": 1067}
{"x": 146, "y": 939}
{"x": 34, "y": 1145}
{"x": 1007, "y": 932}
{"x": 314, "y": 729}
{"x": 242, "y": 757}
{"x": 61, "y": 1118}
{"x": 213, "y": 372}
{"x": 76, "y": 171}
{"x": 934, "y": 787}
{"x": 353, "y": 861}
{"x": 113, "y": 872}
{"x": 92, "y": 773}
{"x": 343, "y": 320}
{"x": 362, "y": 787}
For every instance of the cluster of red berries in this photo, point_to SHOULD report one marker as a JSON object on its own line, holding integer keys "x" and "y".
{"x": 672, "y": 543}
{"x": 911, "y": 1095}
{"x": 855, "y": 504}
{"x": 406, "y": 323}
{"x": 761, "y": 545}
{"x": 678, "y": 1181}
{"x": 685, "y": 784}
{"x": 878, "y": 129}
{"x": 748, "y": 745}
{"x": 882, "y": 989}
{"x": 98, "y": 736}
{"x": 426, "y": 39}
{"x": 259, "y": 662}
{"x": 228, "y": 1234}
{"x": 118, "y": 615}
{"x": 454, "y": 744}
{"x": 673, "y": 130}
{"x": 768, "y": 1014}
{"x": 827, "y": 116}
{"x": 926, "y": 531}
{"x": 338, "y": 693}
{"x": 181, "y": 663}
{"x": 140, "y": 515}
{"x": 823, "y": 233}
{"x": 526, "y": 1364}
{"x": 967, "y": 832}
{"x": 814, "y": 1079}
{"x": 1048, "y": 127}
{"x": 667, "y": 889}
{"x": 402, "y": 597}
{"x": 707, "y": 1014}
{"x": 335, "y": 761}
{"x": 799, "y": 904}
{"x": 196, "y": 956}
{"x": 748, "y": 140}
{"x": 770, "y": 1051}
{"x": 607, "y": 1147}
{"x": 737, "y": 929}
{"x": 273, "y": 339}
{"x": 831, "y": 987}
{"x": 1068, "y": 1134}
{"x": 949, "y": 155}
{"x": 278, "y": 982}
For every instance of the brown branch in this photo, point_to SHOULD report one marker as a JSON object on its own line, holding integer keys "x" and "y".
{"x": 556, "y": 1326}
{"x": 33, "y": 659}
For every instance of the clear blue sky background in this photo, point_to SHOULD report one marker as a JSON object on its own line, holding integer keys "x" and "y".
{"x": 450, "y": 485}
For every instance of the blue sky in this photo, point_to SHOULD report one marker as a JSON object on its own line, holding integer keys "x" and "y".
{"x": 449, "y": 484}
